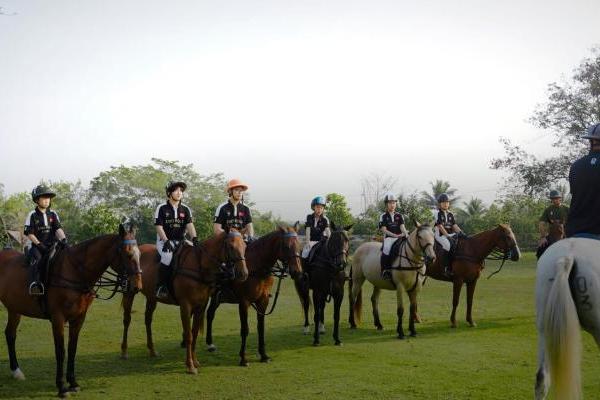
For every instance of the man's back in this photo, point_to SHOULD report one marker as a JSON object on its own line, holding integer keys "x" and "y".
{"x": 584, "y": 179}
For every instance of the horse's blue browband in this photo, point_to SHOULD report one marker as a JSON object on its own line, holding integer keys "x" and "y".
{"x": 234, "y": 233}
{"x": 290, "y": 234}
{"x": 130, "y": 241}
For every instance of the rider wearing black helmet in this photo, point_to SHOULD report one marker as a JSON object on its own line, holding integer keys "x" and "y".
{"x": 316, "y": 226}
{"x": 391, "y": 224}
{"x": 555, "y": 212}
{"x": 584, "y": 181}
{"x": 43, "y": 228}
{"x": 172, "y": 220}
{"x": 445, "y": 228}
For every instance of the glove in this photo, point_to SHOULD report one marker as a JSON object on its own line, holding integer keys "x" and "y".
{"x": 63, "y": 242}
{"x": 41, "y": 247}
{"x": 195, "y": 241}
{"x": 250, "y": 239}
{"x": 463, "y": 235}
{"x": 168, "y": 247}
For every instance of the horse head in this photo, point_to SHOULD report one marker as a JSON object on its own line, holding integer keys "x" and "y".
{"x": 556, "y": 231}
{"x": 129, "y": 255}
{"x": 289, "y": 251}
{"x": 423, "y": 236}
{"x": 234, "y": 250}
{"x": 338, "y": 245}
{"x": 507, "y": 242}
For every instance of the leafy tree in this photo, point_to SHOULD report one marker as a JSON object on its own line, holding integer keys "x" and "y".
{"x": 338, "y": 211}
{"x": 571, "y": 107}
{"x": 471, "y": 217}
{"x": 438, "y": 187}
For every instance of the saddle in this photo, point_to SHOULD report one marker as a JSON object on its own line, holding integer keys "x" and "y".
{"x": 313, "y": 252}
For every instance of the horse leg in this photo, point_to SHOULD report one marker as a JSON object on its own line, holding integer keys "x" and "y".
{"x": 210, "y": 316}
{"x": 412, "y": 296}
{"x": 542, "y": 377}
{"x": 355, "y": 288}
{"x": 470, "y": 292}
{"x": 317, "y": 299}
{"x": 244, "y": 330}
{"x": 185, "y": 313}
{"x": 198, "y": 314}
{"x": 338, "y": 297}
{"x": 127, "y": 305}
{"x": 58, "y": 324}
{"x": 399, "y": 312}
{"x": 303, "y": 293}
{"x": 74, "y": 329}
{"x": 458, "y": 283}
{"x": 322, "y": 318}
{"x": 150, "y": 307}
{"x": 261, "y": 305}
{"x": 375, "y": 307}
{"x": 11, "y": 338}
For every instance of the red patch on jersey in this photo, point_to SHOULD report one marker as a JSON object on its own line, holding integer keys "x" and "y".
{"x": 241, "y": 213}
{"x": 181, "y": 215}
{"x": 50, "y": 219}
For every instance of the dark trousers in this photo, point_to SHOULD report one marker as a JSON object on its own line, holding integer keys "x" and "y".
{"x": 35, "y": 257}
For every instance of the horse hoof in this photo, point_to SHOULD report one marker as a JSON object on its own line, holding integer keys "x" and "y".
{"x": 316, "y": 344}
{"x": 18, "y": 374}
{"x": 63, "y": 394}
{"x": 306, "y": 330}
{"x": 265, "y": 359}
{"x": 338, "y": 343}
{"x": 74, "y": 389}
{"x": 401, "y": 337}
{"x": 453, "y": 325}
{"x": 472, "y": 324}
{"x": 244, "y": 363}
{"x": 124, "y": 356}
{"x": 211, "y": 348}
{"x": 379, "y": 328}
{"x": 192, "y": 371}
{"x": 413, "y": 334}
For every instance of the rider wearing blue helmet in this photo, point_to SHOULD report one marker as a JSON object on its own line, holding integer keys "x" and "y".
{"x": 316, "y": 226}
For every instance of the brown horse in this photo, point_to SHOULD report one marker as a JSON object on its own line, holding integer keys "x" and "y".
{"x": 468, "y": 261}
{"x": 261, "y": 255}
{"x": 193, "y": 282}
{"x": 556, "y": 232}
{"x": 72, "y": 275}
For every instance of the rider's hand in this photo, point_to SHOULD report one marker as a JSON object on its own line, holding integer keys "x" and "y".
{"x": 41, "y": 247}
{"x": 195, "y": 241}
{"x": 168, "y": 247}
{"x": 63, "y": 242}
{"x": 543, "y": 241}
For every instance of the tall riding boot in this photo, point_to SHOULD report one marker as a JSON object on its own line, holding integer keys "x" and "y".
{"x": 446, "y": 263}
{"x": 162, "y": 289}
{"x": 386, "y": 272}
{"x": 36, "y": 287}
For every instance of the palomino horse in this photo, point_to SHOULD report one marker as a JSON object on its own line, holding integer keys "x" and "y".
{"x": 261, "y": 255}
{"x": 469, "y": 258}
{"x": 408, "y": 274}
{"x": 567, "y": 295}
{"x": 326, "y": 277}
{"x": 556, "y": 232}
{"x": 195, "y": 271}
{"x": 72, "y": 275}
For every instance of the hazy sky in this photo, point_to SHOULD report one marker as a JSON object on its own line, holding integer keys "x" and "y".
{"x": 297, "y": 98}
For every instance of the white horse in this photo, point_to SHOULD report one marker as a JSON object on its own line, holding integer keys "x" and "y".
{"x": 567, "y": 294}
{"x": 408, "y": 274}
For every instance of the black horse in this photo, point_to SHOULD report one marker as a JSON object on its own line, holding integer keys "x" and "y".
{"x": 325, "y": 275}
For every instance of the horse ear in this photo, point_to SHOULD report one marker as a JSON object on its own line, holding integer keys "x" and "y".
{"x": 333, "y": 227}
{"x": 281, "y": 228}
{"x": 347, "y": 228}
{"x": 121, "y": 230}
{"x": 297, "y": 226}
{"x": 417, "y": 224}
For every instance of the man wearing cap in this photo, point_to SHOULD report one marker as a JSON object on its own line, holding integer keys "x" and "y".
{"x": 172, "y": 220}
{"x": 233, "y": 213}
{"x": 554, "y": 213}
{"x": 43, "y": 228}
{"x": 584, "y": 181}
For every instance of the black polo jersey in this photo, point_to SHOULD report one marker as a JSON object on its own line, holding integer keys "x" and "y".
{"x": 173, "y": 220}
{"x": 232, "y": 216}
{"x": 446, "y": 219}
{"x": 316, "y": 231}
{"x": 391, "y": 223}
{"x": 584, "y": 180}
{"x": 43, "y": 225}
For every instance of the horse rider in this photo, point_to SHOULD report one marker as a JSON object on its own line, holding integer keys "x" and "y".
{"x": 172, "y": 220}
{"x": 43, "y": 229}
{"x": 391, "y": 224}
{"x": 584, "y": 181}
{"x": 446, "y": 230}
{"x": 554, "y": 213}
{"x": 316, "y": 227}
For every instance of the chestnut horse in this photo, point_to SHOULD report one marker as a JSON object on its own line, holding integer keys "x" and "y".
{"x": 72, "y": 275}
{"x": 326, "y": 277}
{"x": 261, "y": 255}
{"x": 195, "y": 271}
{"x": 408, "y": 274}
{"x": 468, "y": 261}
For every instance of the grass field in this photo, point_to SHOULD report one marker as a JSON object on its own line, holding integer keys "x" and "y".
{"x": 495, "y": 360}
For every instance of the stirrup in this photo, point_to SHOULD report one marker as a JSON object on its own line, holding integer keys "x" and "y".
{"x": 386, "y": 274}
{"x": 162, "y": 292}
{"x": 36, "y": 289}
{"x": 448, "y": 272}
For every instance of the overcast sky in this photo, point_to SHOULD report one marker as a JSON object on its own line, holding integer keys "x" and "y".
{"x": 298, "y": 98}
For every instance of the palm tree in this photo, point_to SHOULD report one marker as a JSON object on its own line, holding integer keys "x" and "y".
{"x": 438, "y": 187}
{"x": 474, "y": 208}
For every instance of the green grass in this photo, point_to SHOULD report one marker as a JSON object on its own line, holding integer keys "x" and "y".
{"x": 495, "y": 360}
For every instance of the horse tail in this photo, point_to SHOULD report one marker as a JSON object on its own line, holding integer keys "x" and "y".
{"x": 356, "y": 305}
{"x": 561, "y": 334}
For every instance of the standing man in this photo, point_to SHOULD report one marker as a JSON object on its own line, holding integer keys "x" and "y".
{"x": 584, "y": 180}
{"x": 172, "y": 220}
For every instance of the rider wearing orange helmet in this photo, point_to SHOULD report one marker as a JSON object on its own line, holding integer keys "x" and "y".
{"x": 234, "y": 213}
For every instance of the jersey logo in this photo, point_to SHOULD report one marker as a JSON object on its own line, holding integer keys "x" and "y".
{"x": 241, "y": 213}
{"x": 181, "y": 215}
{"x": 594, "y": 160}
{"x": 167, "y": 214}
